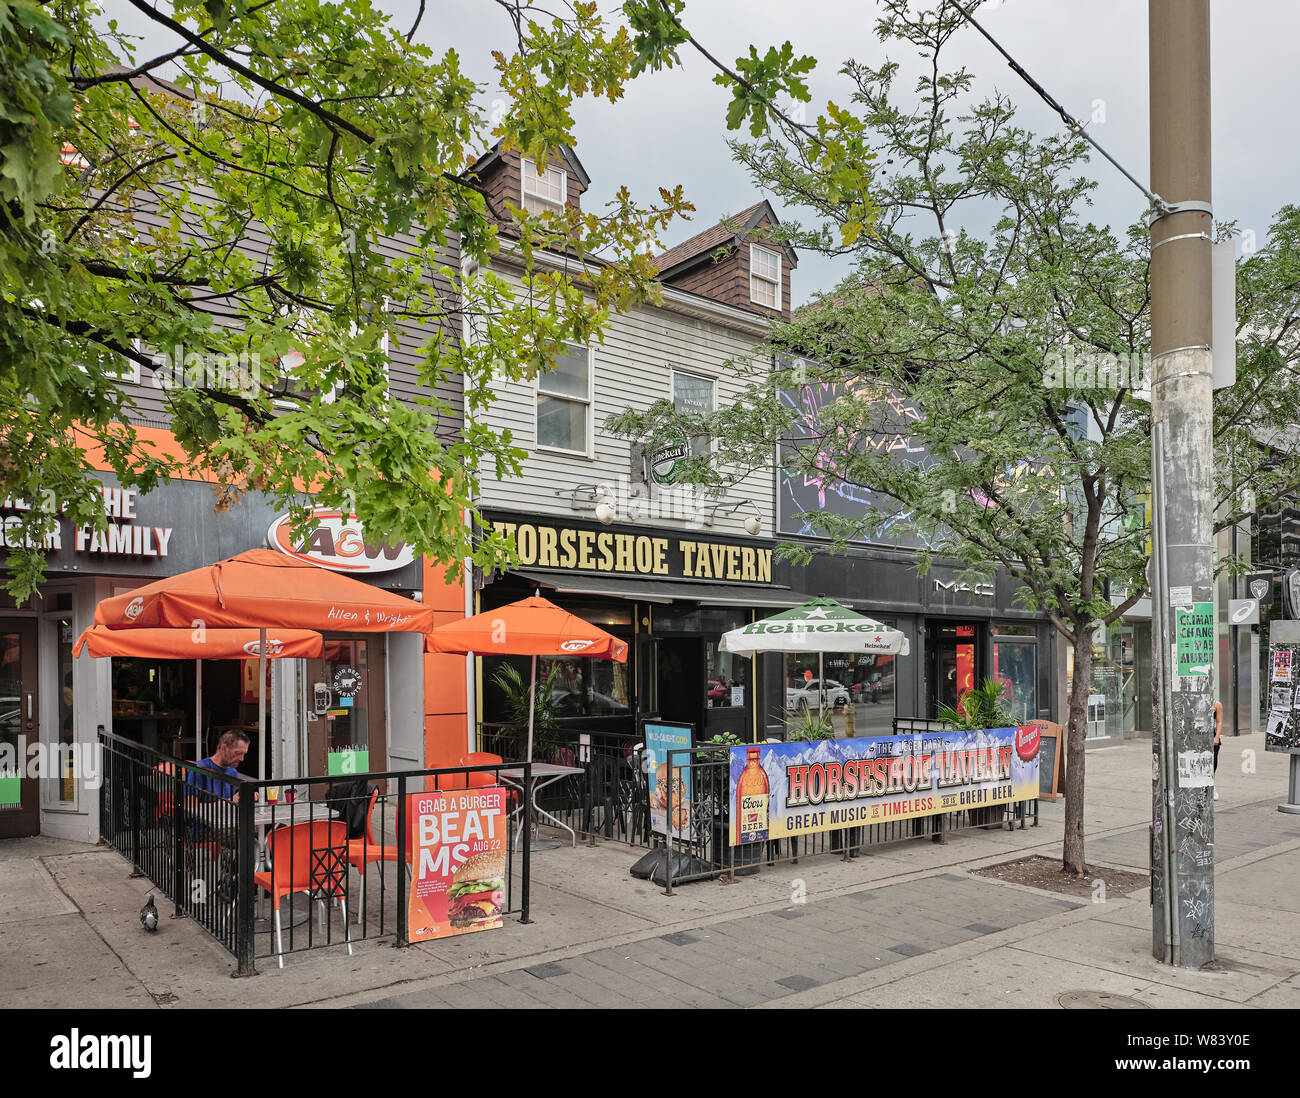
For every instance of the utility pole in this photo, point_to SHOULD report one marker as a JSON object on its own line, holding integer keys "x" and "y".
{"x": 1182, "y": 882}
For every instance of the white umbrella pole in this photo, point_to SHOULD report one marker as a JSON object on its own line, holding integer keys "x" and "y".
{"x": 532, "y": 703}
{"x": 821, "y": 686}
{"x": 261, "y": 704}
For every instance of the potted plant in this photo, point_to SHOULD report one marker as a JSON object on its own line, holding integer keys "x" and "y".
{"x": 977, "y": 710}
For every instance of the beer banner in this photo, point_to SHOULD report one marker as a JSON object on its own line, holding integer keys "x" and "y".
{"x": 781, "y": 789}
{"x": 458, "y": 854}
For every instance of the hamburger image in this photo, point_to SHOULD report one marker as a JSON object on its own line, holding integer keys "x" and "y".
{"x": 477, "y": 890}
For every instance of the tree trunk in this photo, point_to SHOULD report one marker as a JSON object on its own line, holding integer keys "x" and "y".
{"x": 1076, "y": 733}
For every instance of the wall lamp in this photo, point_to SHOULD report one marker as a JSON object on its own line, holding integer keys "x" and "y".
{"x": 753, "y": 523}
{"x": 590, "y": 497}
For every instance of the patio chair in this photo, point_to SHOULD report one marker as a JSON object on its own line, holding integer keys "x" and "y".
{"x": 363, "y": 851}
{"x": 312, "y": 858}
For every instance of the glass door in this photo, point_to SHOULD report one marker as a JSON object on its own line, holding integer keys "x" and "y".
{"x": 345, "y": 724}
{"x": 20, "y": 812}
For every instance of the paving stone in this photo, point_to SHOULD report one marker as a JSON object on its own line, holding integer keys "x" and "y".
{"x": 680, "y": 938}
{"x": 909, "y": 949}
{"x": 546, "y": 971}
{"x": 984, "y": 928}
{"x": 798, "y": 982}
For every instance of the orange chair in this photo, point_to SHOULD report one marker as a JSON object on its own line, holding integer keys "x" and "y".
{"x": 303, "y": 860}
{"x": 361, "y": 852}
{"x": 482, "y": 779}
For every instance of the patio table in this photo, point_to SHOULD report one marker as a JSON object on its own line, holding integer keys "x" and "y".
{"x": 544, "y": 774}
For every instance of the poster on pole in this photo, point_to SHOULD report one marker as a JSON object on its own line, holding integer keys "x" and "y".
{"x": 827, "y": 785}
{"x": 458, "y": 858}
{"x": 1195, "y": 633}
{"x": 670, "y": 793}
{"x": 1282, "y": 732}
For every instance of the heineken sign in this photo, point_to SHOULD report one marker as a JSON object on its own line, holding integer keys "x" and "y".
{"x": 663, "y": 465}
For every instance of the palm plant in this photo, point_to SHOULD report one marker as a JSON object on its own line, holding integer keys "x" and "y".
{"x": 978, "y": 708}
{"x": 808, "y": 724}
{"x": 519, "y": 700}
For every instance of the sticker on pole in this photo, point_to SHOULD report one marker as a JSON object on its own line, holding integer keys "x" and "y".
{"x": 1195, "y": 637}
{"x": 1195, "y": 769}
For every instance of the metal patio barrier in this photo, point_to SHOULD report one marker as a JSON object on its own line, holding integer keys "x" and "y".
{"x": 202, "y": 839}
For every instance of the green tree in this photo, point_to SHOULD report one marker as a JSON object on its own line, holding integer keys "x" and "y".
{"x": 1005, "y": 352}
{"x": 250, "y": 163}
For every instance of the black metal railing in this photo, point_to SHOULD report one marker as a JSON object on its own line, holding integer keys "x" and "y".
{"x": 705, "y": 851}
{"x": 211, "y": 846}
{"x": 607, "y": 798}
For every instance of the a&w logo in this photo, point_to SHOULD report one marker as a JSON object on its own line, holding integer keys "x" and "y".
{"x": 273, "y": 647}
{"x": 102, "y": 1052}
{"x": 134, "y": 608}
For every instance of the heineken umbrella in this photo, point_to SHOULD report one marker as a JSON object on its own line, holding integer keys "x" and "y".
{"x": 820, "y": 625}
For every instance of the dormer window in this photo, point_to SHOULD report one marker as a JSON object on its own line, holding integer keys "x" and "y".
{"x": 545, "y": 190}
{"x": 765, "y": 277}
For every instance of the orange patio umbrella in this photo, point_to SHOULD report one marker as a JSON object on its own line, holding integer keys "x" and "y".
{"x": 199, "y": 644}
{"x": 263, "y": 589}
{"x": 531, "y": 627}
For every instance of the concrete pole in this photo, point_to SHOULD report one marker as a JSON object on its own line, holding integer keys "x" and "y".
{"x": 1182, "y": 403}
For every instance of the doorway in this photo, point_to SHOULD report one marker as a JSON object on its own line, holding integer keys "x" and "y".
{"x": 346, "y": 720}
{"x": 955, "y": 663}
{"x": 679, "y": 673}
{"x": 20, "y": 812}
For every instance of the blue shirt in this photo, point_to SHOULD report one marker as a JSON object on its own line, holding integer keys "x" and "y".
{"x": 210, "y": 785}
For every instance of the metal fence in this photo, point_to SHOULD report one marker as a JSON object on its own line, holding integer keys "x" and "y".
{"x": 219, "y": 849}
{"x": 609, "y": 798}
{"x": 706, "y": 851}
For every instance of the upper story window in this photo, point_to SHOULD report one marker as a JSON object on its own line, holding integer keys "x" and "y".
{"x": 564, "y": 398}
{"x": 544, "y": 190}
{"x": 764, "y": 277}
{"x": 693, "y": 395}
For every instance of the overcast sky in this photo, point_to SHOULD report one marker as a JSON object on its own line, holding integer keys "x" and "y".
{"x": 669, "y": 127}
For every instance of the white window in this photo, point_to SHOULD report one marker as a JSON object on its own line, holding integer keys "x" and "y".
{"x": 693, "y": 395}
{"x": 764, "y": 277}
{"x": 564, "y": 397}
{"x": 545, "y": 190}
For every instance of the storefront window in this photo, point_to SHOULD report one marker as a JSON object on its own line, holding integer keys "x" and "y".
{"x": 587, "y": 688}
{"x": 726, "y": 676}
{"x": 1112, "y": 700}
{"x": 347, "y": 681}
{"x": 858, "y": 690}
{"x": 1015, "y": 666}
{"x": 63, "y": 789}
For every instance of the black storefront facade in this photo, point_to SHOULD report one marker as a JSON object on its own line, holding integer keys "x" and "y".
{"x": 959, "y": 632}
{"x": 671, "y": 593}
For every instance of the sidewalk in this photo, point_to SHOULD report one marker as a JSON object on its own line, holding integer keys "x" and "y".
{"x": 906, "y": 925}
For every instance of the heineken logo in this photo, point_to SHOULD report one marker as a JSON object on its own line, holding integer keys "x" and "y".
{"x": 664, "y": 464}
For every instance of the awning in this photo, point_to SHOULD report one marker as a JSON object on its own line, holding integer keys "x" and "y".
{"x": 663, "y": 591}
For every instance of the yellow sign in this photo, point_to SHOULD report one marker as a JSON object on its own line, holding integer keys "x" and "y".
{"x": 573, "y": 549}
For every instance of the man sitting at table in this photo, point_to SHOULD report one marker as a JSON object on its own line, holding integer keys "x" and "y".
{"x": 230, "y": 752}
